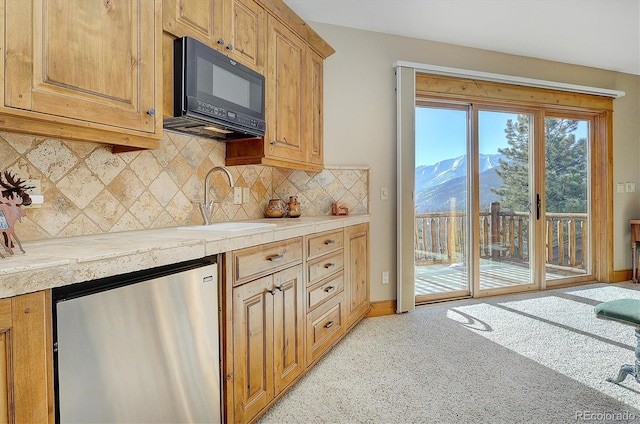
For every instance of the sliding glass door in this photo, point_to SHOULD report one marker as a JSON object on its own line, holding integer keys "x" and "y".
{"x": 501, "y": 200}
{"x": 567, "y": 197}
{"x": 506, "y": 205}
{"x": 441, "y": 190}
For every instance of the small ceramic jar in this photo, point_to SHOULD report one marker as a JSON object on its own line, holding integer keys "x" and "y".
{"x": 275, "y": 209}
{"x": 294, "y": 207}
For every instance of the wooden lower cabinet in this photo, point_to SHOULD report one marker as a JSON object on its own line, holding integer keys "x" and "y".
{"x": 267, "y": 340}
{"x": 282, "y": 316}
{"x": 356, "y": 259}
{"x": 26, "y": 359}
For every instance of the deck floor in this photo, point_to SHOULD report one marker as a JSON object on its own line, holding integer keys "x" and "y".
{"x": 438, "y": 279}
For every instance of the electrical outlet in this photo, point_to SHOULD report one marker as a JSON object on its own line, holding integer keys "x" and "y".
{"x": 385, "y": 277}
{"x": 237, "y": 195}
{"x": 245, "y": 194}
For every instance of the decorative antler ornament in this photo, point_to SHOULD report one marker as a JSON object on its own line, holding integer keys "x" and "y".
{"x": 13, "y": 195}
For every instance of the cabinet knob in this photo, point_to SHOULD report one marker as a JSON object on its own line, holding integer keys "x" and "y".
{"x": 273, "y": 142}
{"x": 229, "y": 47}
{"x": 272, "y": 291}
{"x": 151, "y": 112}
{"x": 280, "y": 287}
{"x": 221, "y": 41}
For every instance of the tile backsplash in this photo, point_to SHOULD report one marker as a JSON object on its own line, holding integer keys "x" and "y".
{"x": 89, "y": 190}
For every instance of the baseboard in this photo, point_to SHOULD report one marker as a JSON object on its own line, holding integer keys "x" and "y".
{"x": 384, "y": 307}
{"x": 619, "y": 276}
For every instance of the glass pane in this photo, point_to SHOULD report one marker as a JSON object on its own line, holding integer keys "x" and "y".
{"x": 566, "y": 197}
{"x": 504, "y": 140}
{"x": 440, "y": 203}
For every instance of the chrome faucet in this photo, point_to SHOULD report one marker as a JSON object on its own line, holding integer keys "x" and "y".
{"x": 206, "y": 207}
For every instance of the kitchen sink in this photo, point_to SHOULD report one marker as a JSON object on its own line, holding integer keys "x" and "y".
{"x": 228, "y": 226}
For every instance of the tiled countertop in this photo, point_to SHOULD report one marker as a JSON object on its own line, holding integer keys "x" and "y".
{"x": 60, "y": 262}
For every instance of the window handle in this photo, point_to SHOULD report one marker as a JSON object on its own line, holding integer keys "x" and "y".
{"x": 538, "y": 205}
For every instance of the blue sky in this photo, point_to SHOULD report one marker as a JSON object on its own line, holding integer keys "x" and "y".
{"x": 446, "y": 129}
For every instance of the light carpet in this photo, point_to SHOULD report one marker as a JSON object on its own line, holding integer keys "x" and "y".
{"x": 530, "y": 358}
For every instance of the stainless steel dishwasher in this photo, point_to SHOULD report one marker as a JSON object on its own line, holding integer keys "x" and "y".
{"x": 142, "y": 347}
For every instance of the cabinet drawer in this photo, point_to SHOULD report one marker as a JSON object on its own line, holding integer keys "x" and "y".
{"x": 324, "y": 266}
{"x": 324, "y": 290}
{"x": 319, "y": 244}
{"x": 261, "y": 260}
{"x": 324, "y": 327}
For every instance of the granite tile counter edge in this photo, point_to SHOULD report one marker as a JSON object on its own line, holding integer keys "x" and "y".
{"x": 60, "y": 262}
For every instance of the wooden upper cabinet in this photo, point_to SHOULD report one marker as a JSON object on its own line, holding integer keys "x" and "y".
{"x": 285, "y": 99}
{"x": 245, "y": 26}
{"x": 87, "y": 63}
{"x": 233, "y": 27}
{"x": 315, "y": 123}
{"x": 198, "y": 19}
{"x": 294, "y": 96}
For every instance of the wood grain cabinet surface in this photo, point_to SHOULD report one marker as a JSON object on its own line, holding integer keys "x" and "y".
{"x": 264, "y": 326}
{"x": 236, "y": 28}
{"x": 83, "y": 70}
{"x": 26, "y": 359}
{"x": 357, "y": 273}
{"x": 294, "y": 96}
{"x": 279, "y": 320}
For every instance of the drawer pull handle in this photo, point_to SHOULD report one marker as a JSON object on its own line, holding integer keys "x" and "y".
{"x": 330, "y": 265}
{"x": 329, "y": 242}
{"x": 329, "y": 324}
{"x": 275, "y": 258}
{"x": 329, "y": 289}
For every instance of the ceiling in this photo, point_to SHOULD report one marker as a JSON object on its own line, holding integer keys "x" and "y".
{"x": 599, "y": 33}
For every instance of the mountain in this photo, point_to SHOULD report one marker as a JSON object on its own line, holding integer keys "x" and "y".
{"x": 428, "y": 176}
{"x": 441, "y": 187}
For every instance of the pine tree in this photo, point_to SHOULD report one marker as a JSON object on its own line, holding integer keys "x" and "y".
{"x": 565, "y": 167}
{"x": 513, "y": 169}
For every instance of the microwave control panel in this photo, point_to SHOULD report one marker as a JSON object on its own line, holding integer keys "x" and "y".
{"x": 229, "y": 116}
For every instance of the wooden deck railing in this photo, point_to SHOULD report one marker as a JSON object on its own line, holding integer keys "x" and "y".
{"x": 504, "y": 236}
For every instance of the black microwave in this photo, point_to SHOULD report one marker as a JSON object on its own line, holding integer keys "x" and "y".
{"x": 215, "y": 96}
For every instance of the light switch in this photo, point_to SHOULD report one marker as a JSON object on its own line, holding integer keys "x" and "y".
{"x": 620, "y": 188}
{"x": 384, "y": 193}
{"x": 630, "y": 187}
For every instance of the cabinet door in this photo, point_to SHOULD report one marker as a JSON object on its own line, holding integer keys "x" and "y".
{"x": 6, "y": 383}
{"x": 198, "y": 19}
{"x": 286, "y": 63}
{"x": 245, "y": 29}
{"x": 92, "y": 61}
{"x": 315, "y": 153}
{"x": 252, "y": 347}
{"x": 288, "y": 327}
{"x": 26, "y": 372}
{"x": 357, "y": 272}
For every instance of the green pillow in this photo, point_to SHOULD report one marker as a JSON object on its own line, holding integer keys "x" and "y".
{"x": 625, "y": 310}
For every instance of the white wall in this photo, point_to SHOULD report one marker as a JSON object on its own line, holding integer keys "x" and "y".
{"x": 360, "y": 115}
